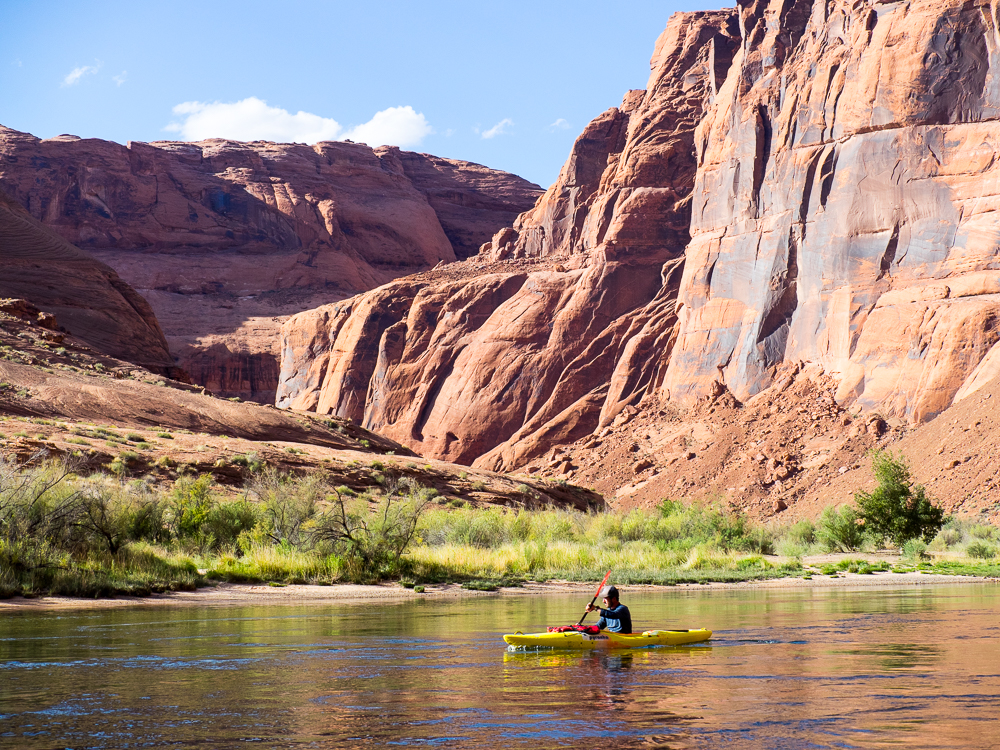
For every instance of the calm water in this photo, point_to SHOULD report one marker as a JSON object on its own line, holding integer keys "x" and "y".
{"x": 914, "y": 668}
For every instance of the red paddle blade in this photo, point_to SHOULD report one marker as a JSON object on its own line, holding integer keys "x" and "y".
{"x": 601, "y": 587}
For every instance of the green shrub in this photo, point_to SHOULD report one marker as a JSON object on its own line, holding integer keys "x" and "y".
{"x": 981, "y": 551}
{"x": 225, "y": 522}
{"x": 802, "y": 532}
{"x": 249, "y": 461}
{"x": 372, "y": 542}
{"x": 982, "y": 531}
{"x": 949, "y": 537}
{"x": 190, "y": 504}
{"x": 897, "y": 510}
{"x": 840, "y": 530}
{"x": 915, "y": 549}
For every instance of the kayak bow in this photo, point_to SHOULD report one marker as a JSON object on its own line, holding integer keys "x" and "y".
{"x": 607, "y": 639}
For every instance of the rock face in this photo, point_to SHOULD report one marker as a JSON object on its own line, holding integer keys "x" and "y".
{"x": 801, "y": 181}
{"x": 491, "y": 361}
{"x": 226, "y": 239}
{"x": 844, "y": 214}
{"x": 86, "y": 297}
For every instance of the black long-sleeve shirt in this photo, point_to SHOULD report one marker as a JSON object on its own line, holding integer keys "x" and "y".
{"x": 617, "y": 619}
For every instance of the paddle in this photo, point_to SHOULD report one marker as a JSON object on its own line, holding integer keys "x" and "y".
{"x": 599, "y": 590}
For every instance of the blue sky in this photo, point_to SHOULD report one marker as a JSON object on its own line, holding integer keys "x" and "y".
{"x": 509, "y": 85}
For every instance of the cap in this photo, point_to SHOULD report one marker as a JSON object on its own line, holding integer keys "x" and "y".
{"x": 610, "y": 592}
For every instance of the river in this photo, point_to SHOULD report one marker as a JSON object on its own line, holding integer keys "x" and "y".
{"x": 872, "y": 667}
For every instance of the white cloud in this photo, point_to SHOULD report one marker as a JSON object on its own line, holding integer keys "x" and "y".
{"x": 120, "y": 78}
{"x": 17, "y": 63}
{"x": 499, "y": 129}
{"x": 252, "y": 119}
{"x": 559, "y": 124}
{"x": 396, "y": 126}
{"x": 73, "y": 77}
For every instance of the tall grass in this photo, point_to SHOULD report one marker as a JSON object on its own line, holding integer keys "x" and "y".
{"x": 101, "y": 535}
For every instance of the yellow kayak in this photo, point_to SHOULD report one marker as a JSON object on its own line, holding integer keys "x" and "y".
{"x": 606, "y": 639}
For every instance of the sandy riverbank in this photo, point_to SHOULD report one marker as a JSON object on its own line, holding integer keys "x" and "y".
{"x": 227, "y": 594}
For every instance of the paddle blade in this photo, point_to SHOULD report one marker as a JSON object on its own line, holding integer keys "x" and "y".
{"x": 601, "y": 587}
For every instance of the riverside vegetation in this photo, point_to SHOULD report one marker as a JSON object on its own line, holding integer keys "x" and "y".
{"x": 99, "y": 535}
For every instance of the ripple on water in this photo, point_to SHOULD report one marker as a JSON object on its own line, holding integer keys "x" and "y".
{"x": 784, "y": 670}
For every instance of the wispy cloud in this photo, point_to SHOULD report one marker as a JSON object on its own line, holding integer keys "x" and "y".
{"x": 500, "y": 128}
{"x": 559, "y": 124}
{"x": 17, "y": 63}
{"x": 252, "y": 119}
{"x": 73, "y": 77}
{"x": 120, "y": 78}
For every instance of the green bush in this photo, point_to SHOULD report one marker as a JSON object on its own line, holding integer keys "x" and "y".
{"x": 190, "y": 504}
{"x": 949, "y": 537}
{"x": 289, "y": 505}
{"x": 112, "y": 514}
{"x": 249, "y": 461}
{"x": 839, "y": 530}
{"x": 915, "y": 549}
{"x": 225, "y": 522}
{"x": 372, "y": 544}
{"x": 897, "y": 510}
{"x": 802, "y": 532}
{"x": 982, "y": 531}
{"x": 981, "y": 551}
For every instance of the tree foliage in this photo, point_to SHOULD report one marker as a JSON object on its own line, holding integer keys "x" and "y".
{"x": 372, "y": 540}
{"x": 897, "y": 510}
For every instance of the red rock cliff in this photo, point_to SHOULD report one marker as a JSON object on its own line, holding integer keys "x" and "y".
{"x": 502, "y": 358}
{"x": 801, "y": 181}
{"x": 86, "y": 297}
{"x": 226, "y": 239}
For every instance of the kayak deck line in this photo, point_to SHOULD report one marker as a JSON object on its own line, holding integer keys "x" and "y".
{"x": 607, "y": 639}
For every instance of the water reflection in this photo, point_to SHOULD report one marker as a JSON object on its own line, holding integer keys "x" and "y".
{"x": 788, "y": 669}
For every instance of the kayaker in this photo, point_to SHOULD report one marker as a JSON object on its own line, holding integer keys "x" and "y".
{"x": 615, "y": 616}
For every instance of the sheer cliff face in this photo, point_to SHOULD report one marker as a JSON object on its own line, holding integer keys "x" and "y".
{"x": 802, "y": 180}
{"x": 844, "y": 207}
{"x": 491, "y": 361}
{"x": 225, "y": 239}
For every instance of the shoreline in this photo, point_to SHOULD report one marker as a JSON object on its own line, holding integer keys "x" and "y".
{"x": 235, "y": 594}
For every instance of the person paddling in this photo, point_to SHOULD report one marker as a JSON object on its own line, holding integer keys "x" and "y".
{"x": 615, "y": 617}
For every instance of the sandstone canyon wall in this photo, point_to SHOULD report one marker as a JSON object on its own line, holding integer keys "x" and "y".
{"x": 86, "y": 297}
{"x": 226, "y": 239}
{"x": 801, "y": 181}
{"x": 489, "y": 360}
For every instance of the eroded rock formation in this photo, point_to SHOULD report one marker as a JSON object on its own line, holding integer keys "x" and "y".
{"x": 492, "y": 361}
{"x": 226, "y": 239}
{"x": 845, "y": 208}
{"x": 801, "y": 181}
{"x": 54, "y": 283}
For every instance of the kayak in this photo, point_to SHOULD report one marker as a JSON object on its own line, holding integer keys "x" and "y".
{"x": 607, "y": 639}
